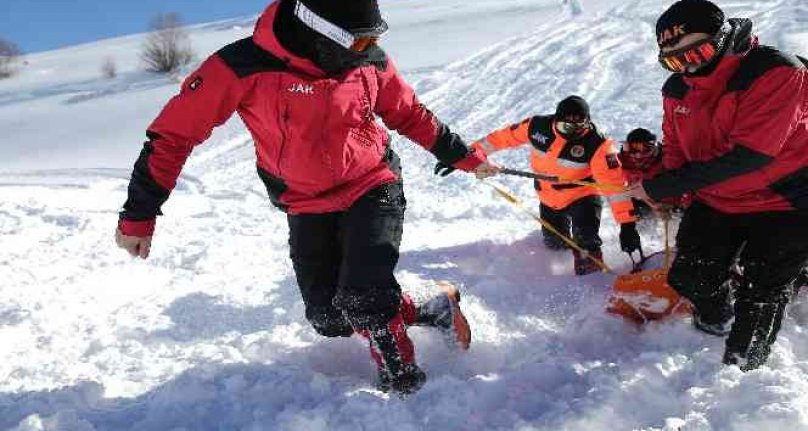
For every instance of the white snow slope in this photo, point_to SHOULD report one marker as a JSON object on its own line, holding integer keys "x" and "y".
{"x": 209, "y": 333}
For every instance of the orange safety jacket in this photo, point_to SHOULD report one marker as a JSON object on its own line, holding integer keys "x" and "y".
{"x": 591, "y": 157}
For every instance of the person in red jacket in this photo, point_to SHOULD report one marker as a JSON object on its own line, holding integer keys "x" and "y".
{"x": 641, "y": 158}
{"x": 736, "y": 136}
{"x": 309, "y": 85}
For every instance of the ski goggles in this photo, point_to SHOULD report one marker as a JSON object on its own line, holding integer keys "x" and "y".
{"x": 357, "y": 41}
{"x": 572, "y": 127}
{"x": 695, "y": 54}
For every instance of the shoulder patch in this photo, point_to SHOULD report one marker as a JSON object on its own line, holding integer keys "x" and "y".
{"x": 756, "y": 63}
{"x": 540, "y": 132}
{"x": 675, "y": 87}
{"x": 245, "y": 58}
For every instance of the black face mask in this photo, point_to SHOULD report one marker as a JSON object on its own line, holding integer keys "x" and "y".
{"x": 334, "y": 59}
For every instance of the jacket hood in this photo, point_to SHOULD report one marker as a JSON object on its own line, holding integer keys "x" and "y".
{"x": 264, "y": 36}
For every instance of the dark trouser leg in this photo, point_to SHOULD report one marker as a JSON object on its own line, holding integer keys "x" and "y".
{"x": 772, "y": 261}
{"x": 560, "y": 221}
{"x": 585, "y": 215}
{"x": 317, "y": 257}
{"x": 368, "y": 293}
{"x": 707, "y": 244}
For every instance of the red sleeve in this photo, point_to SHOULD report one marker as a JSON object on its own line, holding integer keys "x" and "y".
{"x": 208, "y": 97}
{"x": 399, "y": 108}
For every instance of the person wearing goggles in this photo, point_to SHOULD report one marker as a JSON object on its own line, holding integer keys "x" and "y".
{"x": 309, "y": 85}
{"x": 567, "y": 145}
{"x": 735, "y": 130}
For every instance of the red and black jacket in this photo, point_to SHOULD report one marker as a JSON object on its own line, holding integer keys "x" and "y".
{"x": 738, "y": 137}
{"x": 318, "y": 144}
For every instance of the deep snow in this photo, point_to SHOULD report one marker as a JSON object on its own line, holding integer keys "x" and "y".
{"x": 209, "y": 332}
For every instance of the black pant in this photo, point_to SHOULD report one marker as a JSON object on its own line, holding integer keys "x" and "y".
{"x": 771, "y": 249}
{"x": 582, "y": 218}
{"x": 344, "y": 262}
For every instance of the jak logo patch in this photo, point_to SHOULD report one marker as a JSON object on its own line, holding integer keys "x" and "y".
{"x": 195, "y": 84}
{"x": 577, "y": 151}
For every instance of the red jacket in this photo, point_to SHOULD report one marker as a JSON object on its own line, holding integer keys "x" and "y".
{"x": 318, "y": 144}
{"x": 738, "y": 137}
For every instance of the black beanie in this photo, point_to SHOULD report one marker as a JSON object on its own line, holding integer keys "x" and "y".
{"x": 688, "y": 16}
{"x": 573, "y": 107}
{"x": 641, "y": 135}
{"x": 351, "y": 15}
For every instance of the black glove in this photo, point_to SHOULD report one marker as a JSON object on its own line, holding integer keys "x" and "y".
{"x": 629, "y": 237}
{"x": 443, "y": 169}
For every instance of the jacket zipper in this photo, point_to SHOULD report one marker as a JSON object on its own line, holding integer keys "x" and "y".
{"x": 284, "y": 132}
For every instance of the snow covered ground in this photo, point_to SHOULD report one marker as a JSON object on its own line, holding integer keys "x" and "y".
{"x": 209, "y": 333}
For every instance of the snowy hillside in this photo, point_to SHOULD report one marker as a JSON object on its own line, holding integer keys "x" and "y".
{"x": 209, "y": 333}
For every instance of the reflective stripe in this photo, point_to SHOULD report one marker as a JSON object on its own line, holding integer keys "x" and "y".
{"x": 323, "y": 26}
{"x": 487, "y": 146}
{"x": 572, "y": 165}
{"x": 620, "y": 197}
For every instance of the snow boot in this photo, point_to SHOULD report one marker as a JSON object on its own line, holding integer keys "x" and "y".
{"x": 753, "y": 334}
{"x": 584, "y": 265}
{"x": 715, "y": 316}
{"x": 443, "y": 312}
{"x": 394, "y": 354}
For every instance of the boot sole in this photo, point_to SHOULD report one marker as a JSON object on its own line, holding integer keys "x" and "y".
{"x": 460, "y": 324}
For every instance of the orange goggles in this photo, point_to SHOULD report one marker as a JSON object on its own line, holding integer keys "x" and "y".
{"x": 362, "y": 43}
{"x": 695, "y": 54}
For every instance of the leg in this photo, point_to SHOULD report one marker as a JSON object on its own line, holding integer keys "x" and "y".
{"x": 316, "y": 257}
{"x": 585, "y": 215}
{"x": 368, "y": 293}
{"x": 772, "y": 261}
{"x": 560, "y": 221}
{"x": 707, "y": 244}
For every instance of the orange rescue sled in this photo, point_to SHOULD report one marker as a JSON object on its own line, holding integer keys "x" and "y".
{"x": 645, "y": 295}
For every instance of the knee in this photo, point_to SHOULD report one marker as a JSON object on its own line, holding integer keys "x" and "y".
{"x": 692, "y": 280}
{"x": 330, "y": 324}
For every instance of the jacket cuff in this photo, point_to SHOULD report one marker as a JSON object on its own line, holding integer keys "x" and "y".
{"x": 469, "y": 163}
{"x": 138, "y": 228}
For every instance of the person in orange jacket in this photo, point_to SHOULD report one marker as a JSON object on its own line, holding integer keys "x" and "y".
{"x": 567, "y": 145}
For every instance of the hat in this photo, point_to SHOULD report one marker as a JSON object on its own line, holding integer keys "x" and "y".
{"x": 573, "y": 108}
{"x": 352, "y": 15}
{"x": 641, "y": 135}
{"x": 686, "y": 17}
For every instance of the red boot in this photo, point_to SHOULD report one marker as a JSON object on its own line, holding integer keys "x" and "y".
{"x": 394, "y": 354}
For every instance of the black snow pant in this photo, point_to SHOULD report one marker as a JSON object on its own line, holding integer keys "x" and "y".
{"x": 344, "y": 262}
{"x": 581, "y": 218}
{"x": 771, "y": 249}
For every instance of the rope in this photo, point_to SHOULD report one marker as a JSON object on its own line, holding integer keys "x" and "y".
{"x": 558, "y": 180}
{"x": 513, "y": 200}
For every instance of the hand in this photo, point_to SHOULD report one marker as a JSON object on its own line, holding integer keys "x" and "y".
{"x": 486, "y": 170}
{"x": 629, "y": 238}
{"x": 637, "y": 191}
{"x": 137, "y": 246}
{"x": 443, "y": 169}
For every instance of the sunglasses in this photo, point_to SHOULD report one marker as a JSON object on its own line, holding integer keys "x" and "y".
{"x": 695, "y": 54}
{"x": 572, "y": 127}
